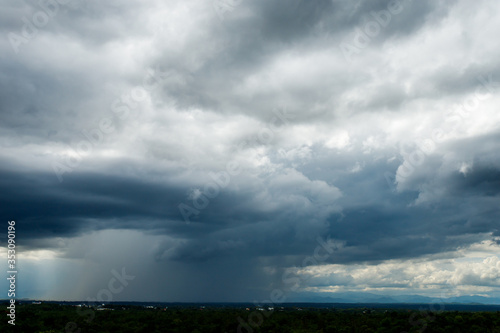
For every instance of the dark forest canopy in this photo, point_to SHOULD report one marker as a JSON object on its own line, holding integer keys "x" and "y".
{"x": 113, "y": 318}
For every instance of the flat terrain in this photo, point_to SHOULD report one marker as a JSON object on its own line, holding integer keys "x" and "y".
{"x": 114, "y": 318}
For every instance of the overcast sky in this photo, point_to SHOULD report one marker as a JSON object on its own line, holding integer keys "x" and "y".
{"x": 209, "y": 148}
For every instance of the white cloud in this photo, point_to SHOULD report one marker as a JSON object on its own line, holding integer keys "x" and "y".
{"x": 467, "y": 271}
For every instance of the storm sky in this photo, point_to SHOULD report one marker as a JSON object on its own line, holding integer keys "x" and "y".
{"x": 219, "y": 150}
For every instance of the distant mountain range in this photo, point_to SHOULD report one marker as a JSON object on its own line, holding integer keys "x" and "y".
{"x": 346, "y": 298}
{"x": 360, "y": 297}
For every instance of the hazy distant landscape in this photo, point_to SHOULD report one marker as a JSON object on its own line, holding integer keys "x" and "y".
{"x": 231, "y": 317}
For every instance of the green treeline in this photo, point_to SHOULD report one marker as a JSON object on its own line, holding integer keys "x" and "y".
{"x": 31, "y": 318}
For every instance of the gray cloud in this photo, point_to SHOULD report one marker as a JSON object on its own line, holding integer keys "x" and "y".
{"x": 326, "y": 146}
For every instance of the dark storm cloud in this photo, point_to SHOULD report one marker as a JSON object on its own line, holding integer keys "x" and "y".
{"x": 379, "y": 223}
{"x": 94, "y": 201}
{"x": 332, "y": 170}
{"x": 232, "y": 224}
{"x": 246, "y": 45}
{"x": 284, "y": 21}
{"x": 482, "y": 180}
{"x": 287, "y": 21}
{"x": 84, "y": 202}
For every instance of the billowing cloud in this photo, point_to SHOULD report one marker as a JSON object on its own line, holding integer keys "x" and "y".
{"x": 223, "y": 138}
